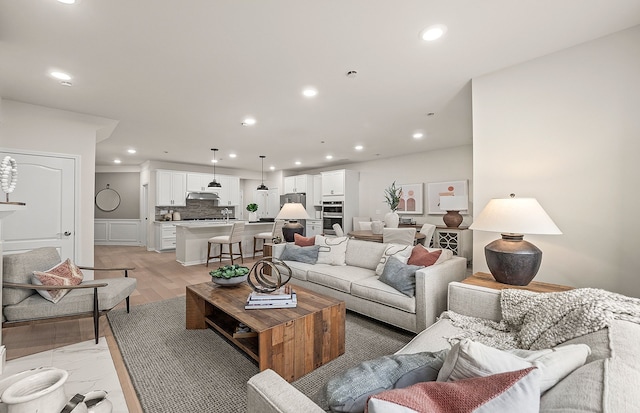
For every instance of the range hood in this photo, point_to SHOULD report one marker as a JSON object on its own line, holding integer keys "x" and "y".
{"x": 203, "y": 196}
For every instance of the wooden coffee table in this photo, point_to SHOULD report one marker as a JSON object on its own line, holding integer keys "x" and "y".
{"x": 290, "y": 341}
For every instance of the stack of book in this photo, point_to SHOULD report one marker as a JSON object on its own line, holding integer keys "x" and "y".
{"x": 284, "y": 297}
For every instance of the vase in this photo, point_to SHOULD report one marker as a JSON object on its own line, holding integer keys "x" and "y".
{"x": 391, "y": 220}
{"x": 39, "y": 392}
{"x": 377, "y": 227}
{"x": 253, "y": 216}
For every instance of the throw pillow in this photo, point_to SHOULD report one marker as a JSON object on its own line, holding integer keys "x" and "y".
{"x": 365, "y": 225}
{"x": 332, "y": 250}
{"x": 304, "y": 241}
{"x": 349, "y": 391}
{"x": 65, "y": 273}
{"x": 421, "y": 256}
{"x": 308, "y": 255}
{"x": 514, "y": 391}
{"x": 400, "y": 251}
{"x": 400, "y": 276}
{"x": 472, "y": 359}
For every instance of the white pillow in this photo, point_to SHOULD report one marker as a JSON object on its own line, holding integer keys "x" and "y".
{"x": 469, "y": 359}
{"x": 400, "y": 251}
{"x": 332, "y": 251}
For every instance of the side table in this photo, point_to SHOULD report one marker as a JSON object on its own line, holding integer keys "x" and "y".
{"x": 484, "y": 279}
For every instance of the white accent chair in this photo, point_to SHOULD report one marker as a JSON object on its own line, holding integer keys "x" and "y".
{"x": 357, "y": 226}
{"x": 276, "y": 231}
{"x": 235, "y": 237}
{"x": 427, "y": 230}
{"x": 404, "y": 236}
{"x": 338, "y": 229}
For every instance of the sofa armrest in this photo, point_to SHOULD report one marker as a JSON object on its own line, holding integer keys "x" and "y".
{"x": 51, "y": 287}
{"x": 277, "y": 249}
{"x": 475, "y": 301}
{"x": 125, "y": 269}
{"x": 267, "y": 392}
{"x": 431, "y": 289}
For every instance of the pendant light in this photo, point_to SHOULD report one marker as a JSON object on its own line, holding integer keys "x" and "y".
{"x": 214, "y": 183}
{"x": 262, "y": 186}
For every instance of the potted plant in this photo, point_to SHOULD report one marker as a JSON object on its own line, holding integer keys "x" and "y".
{"x": 253, "y": 214}
{"x": 392, "y": 198}
{"x": 229, "y": 275}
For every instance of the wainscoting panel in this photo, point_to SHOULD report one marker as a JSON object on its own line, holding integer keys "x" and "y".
{"x": 117, "y": 232}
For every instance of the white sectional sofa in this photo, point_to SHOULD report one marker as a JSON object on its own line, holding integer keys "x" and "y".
{"x": 357, "y": 284}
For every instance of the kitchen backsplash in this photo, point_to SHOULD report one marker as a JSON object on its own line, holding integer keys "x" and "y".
{"x": 197, "y": 209}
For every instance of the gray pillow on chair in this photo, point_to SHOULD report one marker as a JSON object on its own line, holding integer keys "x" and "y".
{"x": 308, "y": 255}
{"x": 400, "y": 276}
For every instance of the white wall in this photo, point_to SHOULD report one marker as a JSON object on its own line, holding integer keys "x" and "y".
{"x": 41, "y": 129}
{"x": 565, "y": 129}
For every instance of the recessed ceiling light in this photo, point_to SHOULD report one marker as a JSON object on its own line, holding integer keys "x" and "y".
{"x": 214, "y": 161}
{"x": 248, "y": 122}
{"x": 60, "y": 75}
{"x": 117, "y": 161}
{"x": 418, "y": 135}
{"x": 434, "y": 32}
{"x": 359, "y": 147}
{"x": 298, "y": 162}
{"x": 67, "y": 1}
{"x": 273, "y": 168}
{"x": 329, "y": 157}
{"x": 131, "y": 150}
{"x": 310, "y": 92}
{"x": 232, "y": 155}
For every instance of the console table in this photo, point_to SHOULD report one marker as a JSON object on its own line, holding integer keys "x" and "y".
{"x": 484, "y": 279}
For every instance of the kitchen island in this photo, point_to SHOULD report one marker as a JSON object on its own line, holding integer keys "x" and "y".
{"x": 192, "y": 238}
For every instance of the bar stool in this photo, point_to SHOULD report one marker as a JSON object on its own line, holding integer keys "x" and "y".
{"x": 235, "y": 237}
{"x": 276, "y": 231}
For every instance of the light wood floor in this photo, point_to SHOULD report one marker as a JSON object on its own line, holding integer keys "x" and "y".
{"x": 159, "y": 277}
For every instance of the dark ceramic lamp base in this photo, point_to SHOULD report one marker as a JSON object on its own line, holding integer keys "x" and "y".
{"x": 291, "y": 228}
{"x": 512, "y": 260}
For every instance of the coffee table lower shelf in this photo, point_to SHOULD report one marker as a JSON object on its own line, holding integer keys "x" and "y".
{"x": 290, "y": 341}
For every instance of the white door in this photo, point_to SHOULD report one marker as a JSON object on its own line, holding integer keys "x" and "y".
{"x": 47, "y": 185}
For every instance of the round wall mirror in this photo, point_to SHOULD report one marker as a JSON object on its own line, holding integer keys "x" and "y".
{"x": 107, "y": 199}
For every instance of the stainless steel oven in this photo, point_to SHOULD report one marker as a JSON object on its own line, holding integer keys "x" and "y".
{"x": 332, "y": 213}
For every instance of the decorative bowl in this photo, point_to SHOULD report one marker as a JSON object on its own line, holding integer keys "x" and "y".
{"x": 229, "y": 282}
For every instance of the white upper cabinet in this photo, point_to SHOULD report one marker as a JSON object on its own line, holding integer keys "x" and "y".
{"x": 230, "y": 191}
{"x": 298, "y": 184}
{"x": 333, "y": 183}
{"x": 317, "y": 190}
{"x": 198, "y": 182}
{"x": 171, "y": 188}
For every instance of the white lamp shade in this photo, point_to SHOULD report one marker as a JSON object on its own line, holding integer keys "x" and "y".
{"x": 454, "y": 203}
{"x": 515, "y": 216}
{"x": 293, "y": 211}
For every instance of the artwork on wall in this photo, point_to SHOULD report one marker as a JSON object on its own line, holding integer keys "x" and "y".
{"x": 449, "y": 188}
{"x": 410, "y": 199}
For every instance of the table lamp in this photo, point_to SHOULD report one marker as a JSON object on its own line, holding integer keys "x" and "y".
{"x": 453, "y": 204}
{"x": 292, "y": 212}
{"x": 512, "y": 260}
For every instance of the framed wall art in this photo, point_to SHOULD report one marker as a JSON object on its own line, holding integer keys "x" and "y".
{"x": 411, "y": 198}
{"x": 437, "y": 189}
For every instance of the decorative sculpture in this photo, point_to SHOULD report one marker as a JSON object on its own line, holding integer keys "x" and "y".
{"x": 8, "y": 175}
{"x": 267, "y": 274}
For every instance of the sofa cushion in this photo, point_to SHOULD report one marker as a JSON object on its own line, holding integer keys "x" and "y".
{"x": 364, "y": 254}
{"x": 332, "y": 250}
{"x": 471, "y": 359}
{"x": 349, "y": 391}
{"x": 422, "y": 256}
{"x": 400, "y": 276}
{"x": 337, "y": 277}
{"x": 18, "y": 268}
{"x": 514, "y": 391}
{"x": 307, "y": 255}
{"x": 65, "y": 273}
{"x": 400, "y": 251}
{"x": 77, "y": 301}
{"x": 372, "y": 289}
{"x": 299, "y": 270}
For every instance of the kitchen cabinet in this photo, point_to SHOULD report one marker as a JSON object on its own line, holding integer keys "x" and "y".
{"x": 317, "y": 190}
{"x": 333, "y": 183}
{"x": 314, "y": 227}
{"x": 230, "y": 192}
{"x": 342, "y": 186}
{"x": 298, "y": 184}
{"x": 268, "y": 203}
{"x": 171, "y": 188}
{"x": 458, "y": 240}
{"x": 165, "y": 236}
{"x": 199, "y": 182}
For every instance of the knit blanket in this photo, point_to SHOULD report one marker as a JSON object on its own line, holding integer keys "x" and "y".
{"x": 535, "y": 321}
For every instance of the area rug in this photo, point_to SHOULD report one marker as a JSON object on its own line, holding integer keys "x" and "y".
{"x": 174, "y": 369}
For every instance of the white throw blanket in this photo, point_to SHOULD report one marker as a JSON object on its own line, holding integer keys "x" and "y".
{"x": 536, "y": 321}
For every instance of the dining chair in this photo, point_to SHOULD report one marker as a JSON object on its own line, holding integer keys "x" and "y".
{"x": 234, "y": 237}
{"x": 338, "y": 229}
{"x": 427, "y": 230}
{"x": 276, "y": 231}
{"x": 357, "y": 223}
{"x": 404, "y": 236}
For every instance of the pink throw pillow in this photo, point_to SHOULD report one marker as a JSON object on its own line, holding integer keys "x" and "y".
{"x": 421, "y": 256}
{"x": 65, "y": 273}
{"x": 301, "y": 241}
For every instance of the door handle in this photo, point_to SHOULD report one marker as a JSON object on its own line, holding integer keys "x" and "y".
{"x": 67, "y": 233}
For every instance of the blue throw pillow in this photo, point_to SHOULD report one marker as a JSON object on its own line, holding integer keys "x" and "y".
{"x": 308, "y": 255}
{"x": 400, "y": 276}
